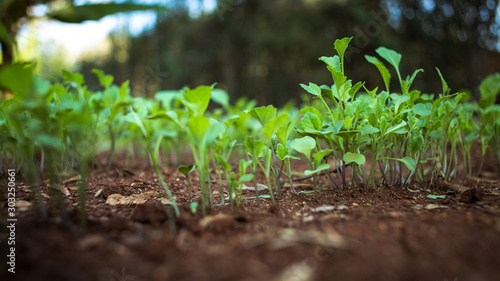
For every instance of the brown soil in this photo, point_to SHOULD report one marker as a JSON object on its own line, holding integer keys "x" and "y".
{"x": 388, "y": 233}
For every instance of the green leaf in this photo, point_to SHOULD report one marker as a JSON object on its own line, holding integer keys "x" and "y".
{"x": 395, "y": 128}
{"x": 267, "y": 196}
{"x": 471, "y": 137}
{"x": 422, "y": 109}
{"x": 368, "y": 130}
{"x": 124, "y": 90}
{"x": 231, "y": 120}
{"x": 168, "y": 97}
{"x": 78, "y": 14}
{"x": 310, "y": 123}
{"x": 197, "y": 100}
{"x": 304, "y": 145}
{"x": 436, "y": 196}
{"x": 417, "y": 143}
{"x": 193, "y": 206}
{"x": 347, "y": 135}
{"x": 358, "y": 158}
{"x": 186, "y": 169}
{"x": 254, "y": 147}
{"x": 333, "y": 62}
{"x": 341, "y": 46}
{"x": 105, "y": 80}
{"x": 390, "y": 56}
{"x": 245, "y": 178}
{"x": 320, "y": 168}
{"x": 327, "y": 92}
{"x": 436, "y": 134}
{"x": 221, "y": 97}
{"x": 169, "y": 115}
{"x": 311, "y": 109}
{"x": 409, "y": 162}
{"x": 354, "y": 89}
{"x": 263, "y": 114}
{"x": 215, "y": 129}
{"x": 243, "y": 165}
{"x": 50, "y": 142}
{"x": 272, "y": 126}
{"x": 443, "y": 82}
{"x": 198, "y": 126}
{"x": 409, "y": 80}
{"x": 134, "y": 118}
{"x": 338, "y": 78}
{"x": 489, "y": 89}
{"x": 17, "y": 77}
{"x": 283, "y": 152}
{"x": 69, "y": 77}
{"x": 386, "y": 76}
{"x": 318, "y": 156}
{"x": 312, "y": 89}
{"x": 284, "y": 131}
{"x": 398, "y": 100}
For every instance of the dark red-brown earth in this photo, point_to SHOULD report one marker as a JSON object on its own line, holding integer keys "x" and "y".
{"x": 387, "y": 233}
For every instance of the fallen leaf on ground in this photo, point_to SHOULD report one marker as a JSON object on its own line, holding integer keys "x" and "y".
{"x": 289, "y": 237}
{"x": 73, "y": 179}
{"x": 252, "y": 188}
{"x": 435, "y": 206}
{"x": 61, "y": 188}
{"x": 208, "y": 220}
{"x": 135, "y": 199}
{"x": 324, "y": 208}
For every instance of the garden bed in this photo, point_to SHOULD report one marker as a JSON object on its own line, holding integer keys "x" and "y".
{"x": 405, "y": 201}
{"x": 387, "y": 233}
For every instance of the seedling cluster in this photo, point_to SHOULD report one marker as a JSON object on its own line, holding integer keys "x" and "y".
{"x": 352, "y": 135}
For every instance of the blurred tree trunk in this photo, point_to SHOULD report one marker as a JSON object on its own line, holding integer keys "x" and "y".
{"x": 7, "y": 54}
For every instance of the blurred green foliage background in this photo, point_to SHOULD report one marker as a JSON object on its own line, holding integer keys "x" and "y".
{"x": 263, "y": 49}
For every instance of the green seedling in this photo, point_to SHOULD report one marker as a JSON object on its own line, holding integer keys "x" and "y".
{"x": 489, "y": 113}
{"x": 153, "y": 146}
{"x": 111, "y": 104}
{"x": 305, "y": 145}
{"x": 202, "y": 133}
{"x": 186, "y": 170}
{"x": 237, "y": 183}
{"x": 222, "y": 150}
{"x": 284, "y": 151}
{"x": 193, "y": 206}
{"x": 270, "y": 122}
{"x": 255, "y": 148}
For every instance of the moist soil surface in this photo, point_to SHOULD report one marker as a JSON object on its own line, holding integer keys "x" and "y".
{"x": 383, "y": 233}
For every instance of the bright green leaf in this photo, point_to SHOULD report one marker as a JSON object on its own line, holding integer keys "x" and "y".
{"x": 304, "y": 145}
{"x": 197, "y": 100}
{"x": 320, "y": 168}
{"x": 186, "y": 169}
{"x": 390, "y": 56}
{"x": 105, "y": 80}
{"x": 312, "y": 89}
{"x": 386, "y": 76}
{"x": 350, "y": 157}
{"x": 263, "y": 114}
{"x": 272, "y": 126}
{"x": 489, "y": 89}
{"x": 221, "y": 97}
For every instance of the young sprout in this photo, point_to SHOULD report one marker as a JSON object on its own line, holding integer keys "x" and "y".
{"x": 305, "y": 145}
{"x": 254, "y": 149}
{"x": 186, "y": 170}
